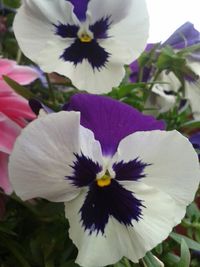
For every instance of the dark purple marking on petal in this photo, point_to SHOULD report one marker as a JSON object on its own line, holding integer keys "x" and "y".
{"x": 110, "y": 120}
{"x": 109, "y": 201}
{"x": 37, "y": 105}
{"x": 130, "y": 171}
{"x": 100, "y": 28}
{"x": 84, "y": 171}
{"x": 66, "y": 30}
{"x": 92, "y": 51}
{"x": 184, "y": 36}
{"x": 80, "y": 8}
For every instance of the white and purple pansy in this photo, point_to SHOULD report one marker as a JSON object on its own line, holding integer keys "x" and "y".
{"x": 88, "y": 41}
{"x": 125, "y": 181}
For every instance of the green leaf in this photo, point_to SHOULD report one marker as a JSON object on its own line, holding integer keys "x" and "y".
{"x": 171, "y": 259}
{"x": 150, "y": 261}
{"x": 191, "y": 124}
{"x": 70, "y": 263}
{"x": 12, "y": 3}
{"x": 19, "y": 89}
{"x": 190, "y": 243}
{"x": 15, "y": 250}
{"x": 185, "y": 255}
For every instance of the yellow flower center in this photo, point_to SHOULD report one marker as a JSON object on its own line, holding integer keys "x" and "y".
{"x": 104, "y": 181}
{"x": 85, "y": 38}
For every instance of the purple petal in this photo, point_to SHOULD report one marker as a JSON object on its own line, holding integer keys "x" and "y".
{"x": 135, "y": 68}
{"x": 195, "y": 140}
{"x": 80, "y": 8}
{"x": 184, "y": 36}
{"x": 110, "y": 120}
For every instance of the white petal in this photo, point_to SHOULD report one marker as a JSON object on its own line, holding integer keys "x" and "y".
{"x": 159, "y": 216}
{"x": 83, "y": 76}
{"x": 93, "y": 250}
{"x": 116, "y": 10}
{"x": 159, "y": 100}
{"x": 33, "y": 24}
{"x": 192, "y": 93}
{"x": 195, "y": 66}
{"x": 171, "y": 82}
{"x": 132, "y": 32}
{"x": 43, "y": 154}
{"x": 174, "y": 165}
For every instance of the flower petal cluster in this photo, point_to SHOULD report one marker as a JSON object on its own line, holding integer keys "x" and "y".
{"x": 14, "y": 113}
{"x": 124, "y": 180}
{"x": 163, "y": 96}
{"x": 88, "y": 41}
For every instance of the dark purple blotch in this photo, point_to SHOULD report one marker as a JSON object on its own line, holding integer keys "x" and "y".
{"x": 130, "y": 171}
{"x": 84, "y": 171}
{"x": 92, "y": 51}
{"x": 115, "y": 201}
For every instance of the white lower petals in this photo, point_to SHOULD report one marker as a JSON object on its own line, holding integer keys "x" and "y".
{"x": 43, "y": 155}
{"x": 160, "y": 215}
{"x": 174, "y": 167}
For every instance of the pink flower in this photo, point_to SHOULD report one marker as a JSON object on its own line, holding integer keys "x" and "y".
{"x": 22, "y": 74}
{"x": 14, "y": 113}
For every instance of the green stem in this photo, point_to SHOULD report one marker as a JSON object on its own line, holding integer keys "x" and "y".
{"x": 19, "y": 56}
{"x": 127, "y": 262}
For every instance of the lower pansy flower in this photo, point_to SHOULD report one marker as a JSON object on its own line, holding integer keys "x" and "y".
{"x": 124, "y": 180}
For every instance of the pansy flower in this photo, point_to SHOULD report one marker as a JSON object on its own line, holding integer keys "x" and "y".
{"x": 89, "y": 41}
{"x": 124, "y": 180}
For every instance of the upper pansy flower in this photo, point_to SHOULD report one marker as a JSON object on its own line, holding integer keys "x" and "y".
{"x": 88, "y": 41}
{"x": 124, "y": 183}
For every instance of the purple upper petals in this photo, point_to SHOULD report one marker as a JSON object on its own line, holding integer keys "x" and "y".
{"x": 129, "y": 171}
{"x": 80, "y": 8}
{"x": 84, "y": 171}
{"x": 112, "y": 200}
{"x": 184, "y": 36}
{"x": 110, "y": 120}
